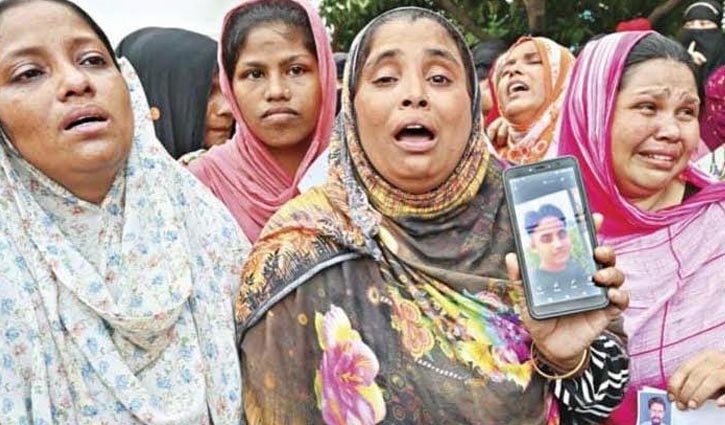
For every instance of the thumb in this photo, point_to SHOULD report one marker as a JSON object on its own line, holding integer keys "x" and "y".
{"x": 512, "y": 267}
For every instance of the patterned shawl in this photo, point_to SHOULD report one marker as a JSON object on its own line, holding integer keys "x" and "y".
{"x": 414, "y": 320}
{"x": 535, "y": 140}
{"x": 674, "y": 279}
{"x": 119, "y": 312}
{"x": 242, "y": 172}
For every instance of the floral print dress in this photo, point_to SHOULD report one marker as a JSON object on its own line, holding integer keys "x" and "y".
{"x": 118, "y": 313}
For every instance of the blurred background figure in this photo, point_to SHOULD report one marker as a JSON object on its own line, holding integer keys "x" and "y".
{"x": 340, "y": 59}
{"x": 485, "y": 54}
{"x": 703, "y": 38}
{"x": 178, "y": 70}
{"x": 530, "y": 81}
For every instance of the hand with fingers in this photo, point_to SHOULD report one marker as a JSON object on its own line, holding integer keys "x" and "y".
{"x": 498, "y": 132}
{"x": 697, "y": 57}
{"x": 565, "y": 341}
{"x": 698, "y": 379}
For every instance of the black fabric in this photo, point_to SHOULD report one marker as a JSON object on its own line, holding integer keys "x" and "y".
{"x": 707, "y": 10}
{"x": 690, "y": 191}
{"x": 711, "y": 43}
{"x": 175, "y": 67}
{"x": 485, "y": 54}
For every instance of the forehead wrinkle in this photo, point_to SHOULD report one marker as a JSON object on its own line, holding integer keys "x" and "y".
{"x": 443, "y": 54}
{"x": 29, "y": 50}
{"x": 386, "y": 54}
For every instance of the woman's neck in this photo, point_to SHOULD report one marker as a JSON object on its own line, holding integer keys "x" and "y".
{"x": 668, "y": 197}
{"x": 289, "y": 158}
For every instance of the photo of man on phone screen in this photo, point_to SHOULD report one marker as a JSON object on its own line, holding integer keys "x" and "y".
{"x": 551, "y": 242}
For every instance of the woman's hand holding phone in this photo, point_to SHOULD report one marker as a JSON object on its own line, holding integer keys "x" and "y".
{"x": 563, "y": 340}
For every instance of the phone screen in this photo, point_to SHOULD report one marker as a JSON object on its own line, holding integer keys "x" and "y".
{"x": 555, "y": 241}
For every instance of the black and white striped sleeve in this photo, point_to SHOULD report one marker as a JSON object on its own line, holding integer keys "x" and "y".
{"x": 593, "y": 395}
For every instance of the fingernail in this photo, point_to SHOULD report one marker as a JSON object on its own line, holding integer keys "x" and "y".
{"x": 681, "y": 406}
{"x": 671, "y": 396}
{"x": 692, "y": 404}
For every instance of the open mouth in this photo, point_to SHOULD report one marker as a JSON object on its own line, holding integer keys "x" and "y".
{"x": 667, "y": 157}
{"x": 415, "y": 132}
{"x": 517, "y": 87}
{"x": 85, "y": 120}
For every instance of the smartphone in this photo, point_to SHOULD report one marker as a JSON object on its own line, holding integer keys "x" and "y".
{"x": 555, "y": 238}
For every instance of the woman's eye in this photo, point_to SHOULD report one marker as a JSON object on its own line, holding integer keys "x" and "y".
{"x": 296, "y": 70}
{"x": 646, "y": 107}
{"x": 94, "y": 60}
{"x": 253, "y": 74}
{"x": 27, "y": 75}
{"x": 688, "y": 112}
{"x": 383, "y": 81}
{"x": 440, "y": 79}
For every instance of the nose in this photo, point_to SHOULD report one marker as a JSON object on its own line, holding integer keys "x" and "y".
{"x": 415, "y": 96}
{"x": 556, "y": 242}
{"x": 221, "y": 107}
{"x": 73, "y": 82}
{"x": 668, "y": 130}
{"x": 277, "y": 89}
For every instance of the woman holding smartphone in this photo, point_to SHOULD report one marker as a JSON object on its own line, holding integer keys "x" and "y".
{"x": 664, "y": 217}
{"x": 388, "y": 286}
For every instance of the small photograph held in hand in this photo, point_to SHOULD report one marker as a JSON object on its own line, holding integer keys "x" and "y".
{"x": 653, "y": 408}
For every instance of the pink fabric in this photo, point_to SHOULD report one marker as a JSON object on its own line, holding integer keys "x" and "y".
{"x": 712, "y": 118}
{"x": 242, "y": 172}
{"x": 673, "y": 278}
{"x": 585, "y": 133}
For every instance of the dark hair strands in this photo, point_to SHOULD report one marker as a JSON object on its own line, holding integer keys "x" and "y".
{"x": 657, "y": 46}
{"x": 248, "y": 18}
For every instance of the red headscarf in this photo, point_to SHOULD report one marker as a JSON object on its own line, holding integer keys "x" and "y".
{"x": 242, "y": 172}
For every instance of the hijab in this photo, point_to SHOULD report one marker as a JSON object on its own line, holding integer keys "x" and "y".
{"x": 535, "y": 140}
{"x": 358, "y": 213}
{"x": 673, "y": 278}
{"x": 709, "y": 42}
{"x": 242, "y": 172}
{"x": 585, "y": 132}
{"x": 418, "y": 277}
{"x": 120, "y": 312}
{"x": 176, "y": 67}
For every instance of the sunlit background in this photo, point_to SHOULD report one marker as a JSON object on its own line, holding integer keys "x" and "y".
{"x": 119, "y": 18}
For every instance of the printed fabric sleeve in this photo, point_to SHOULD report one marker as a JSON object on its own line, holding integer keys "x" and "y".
{"x": 593, "y": 395}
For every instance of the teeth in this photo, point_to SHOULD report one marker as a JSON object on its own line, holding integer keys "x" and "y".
{"x": 660, "y": 157}
{"x": 415, "y": 127}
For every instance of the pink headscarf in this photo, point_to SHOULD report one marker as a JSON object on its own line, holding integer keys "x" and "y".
{"x": 242, "y": 172}
{"x": 585, "y": 132}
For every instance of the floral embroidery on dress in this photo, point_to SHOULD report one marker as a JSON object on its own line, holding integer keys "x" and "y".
{"x": 345, "y": 382}
{"x": 407, "y": 319}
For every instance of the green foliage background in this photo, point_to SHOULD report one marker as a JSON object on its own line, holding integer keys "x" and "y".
{"x": 569, "y": 22}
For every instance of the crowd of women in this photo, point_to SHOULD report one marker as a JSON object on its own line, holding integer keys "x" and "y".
{"x": 160, "y": 265}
